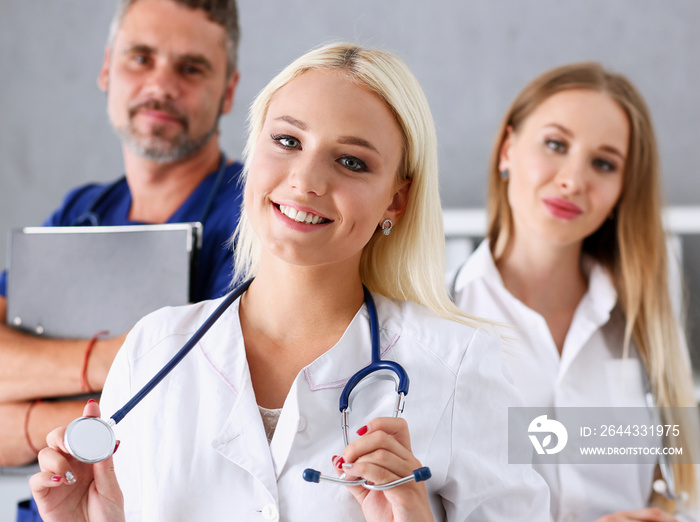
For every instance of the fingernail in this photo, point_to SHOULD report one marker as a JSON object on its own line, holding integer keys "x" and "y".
{"x": 342, "y": 476}
{"x": 70, "y": 478}
{"x": 91, "y": 400}
{"x": 346, "y": 465}
{"x": 339, "y": 463}
{"x": 362, "y": 431}
{"x": 56, "y": 478}
{"x": 116, "y": 447}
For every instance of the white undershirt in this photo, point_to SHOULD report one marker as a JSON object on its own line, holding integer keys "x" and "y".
{"x": 270, "y": 418}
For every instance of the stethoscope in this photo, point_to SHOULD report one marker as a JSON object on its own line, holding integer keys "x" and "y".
{"x": 90, "y": 217}
{"x": 402, "y": 381}
{"x": 666, "y": 485}
{"x": 92, "y": 439}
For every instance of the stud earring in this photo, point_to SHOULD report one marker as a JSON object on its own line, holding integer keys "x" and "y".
{"x": 387, "y": 225}
{"x": 505, "y": 174}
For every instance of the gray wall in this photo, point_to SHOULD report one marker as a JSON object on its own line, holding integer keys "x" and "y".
{"x": 472, "y": 57}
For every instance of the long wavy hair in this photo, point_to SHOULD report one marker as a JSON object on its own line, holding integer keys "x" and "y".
{"x": 631, "y": 245}
{"x": 409, "y": 263}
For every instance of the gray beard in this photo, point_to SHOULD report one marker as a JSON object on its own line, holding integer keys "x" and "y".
{"x": 164, "y": 150}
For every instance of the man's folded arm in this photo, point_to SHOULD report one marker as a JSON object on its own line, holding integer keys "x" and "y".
{"x": 36, "y": 367}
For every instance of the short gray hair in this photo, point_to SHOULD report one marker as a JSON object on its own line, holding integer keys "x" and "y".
{"x": 222, "y": 12}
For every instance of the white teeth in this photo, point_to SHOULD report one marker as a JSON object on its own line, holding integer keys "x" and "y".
{"x": 300, "y": 216}
{"x": 288, "y": 211}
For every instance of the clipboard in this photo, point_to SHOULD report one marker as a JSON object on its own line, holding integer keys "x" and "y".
{"x": 71, "y": 282}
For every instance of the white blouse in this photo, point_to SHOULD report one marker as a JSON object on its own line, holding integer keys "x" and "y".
{"x": 591, "y": 371}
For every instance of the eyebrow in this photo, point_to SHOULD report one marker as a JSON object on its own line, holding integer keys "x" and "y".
{"x": 360, "y": 142}
{"x": 139, "y": 48}
{"x": 607, "y": 148}
{"x": 196, "y": 59}
{"x": 293, "y": 121}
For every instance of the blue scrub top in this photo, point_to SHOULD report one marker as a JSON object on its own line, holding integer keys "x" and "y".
{"x": 109, "y": 204}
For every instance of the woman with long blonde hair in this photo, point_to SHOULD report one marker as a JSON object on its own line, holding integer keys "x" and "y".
{"x": 340, "y": 192}
{"x": 575, "y": 259}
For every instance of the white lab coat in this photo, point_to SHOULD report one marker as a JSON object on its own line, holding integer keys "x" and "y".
{"x": 590, "y": 372}
{"x": 195, "y": 448}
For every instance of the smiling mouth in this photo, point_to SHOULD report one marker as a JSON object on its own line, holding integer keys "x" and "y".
{"x": 300, "y": 216}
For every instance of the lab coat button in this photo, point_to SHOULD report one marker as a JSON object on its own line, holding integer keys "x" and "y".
{"x": 301, "y": 425}
{"x": 269, "y": 512}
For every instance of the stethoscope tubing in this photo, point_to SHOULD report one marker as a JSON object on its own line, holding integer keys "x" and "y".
{"x": 90, "y": 424}
{"x": 376, "y": 363}
{"x": 666, "y": 485}
{"x": 170, "y": 365}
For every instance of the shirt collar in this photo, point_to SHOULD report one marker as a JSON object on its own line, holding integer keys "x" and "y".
{"x": 601, "y": 297}
{"x": 224, "y": 348}
{"x": 479, "y": 265}
{"x": 354, "y": 349}
{"x": 598, "y": 301}
{"x": 592, "y": 313}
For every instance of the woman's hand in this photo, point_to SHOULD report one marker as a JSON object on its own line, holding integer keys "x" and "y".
{"x": 67, "y": 489}
{"x": 383, "y": 454}
{"x": 639, "y": 515}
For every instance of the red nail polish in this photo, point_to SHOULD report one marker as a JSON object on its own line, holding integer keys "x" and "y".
{"x": 116, "y": 447}
{"x": 339, "y": 463}
{"x": 362, "y": 431}
{"x": 56, "y": 478}
{"x": 91, "y": 400}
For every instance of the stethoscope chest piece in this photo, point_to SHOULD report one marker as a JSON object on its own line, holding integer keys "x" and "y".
{"x": 90, "y": 439}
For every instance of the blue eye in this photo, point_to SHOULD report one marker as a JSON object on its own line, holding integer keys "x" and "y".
{"x": 288, "y": 142}
{"x": 556, "y": 145}
{"x": 604, "y": 165}
{"x": 352, "y": 163}
{"x": 191, "y": 70}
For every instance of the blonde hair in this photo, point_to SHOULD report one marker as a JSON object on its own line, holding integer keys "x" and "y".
{"x": 409, "y": 263}
{"x": 631, "y": 245}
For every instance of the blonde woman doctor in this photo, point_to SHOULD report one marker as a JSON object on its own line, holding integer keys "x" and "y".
{"x": 341, "y": 191}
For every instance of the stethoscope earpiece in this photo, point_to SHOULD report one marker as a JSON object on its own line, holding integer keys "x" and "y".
{"x": 402, "y": 383}
{"x": 418, "y": 475}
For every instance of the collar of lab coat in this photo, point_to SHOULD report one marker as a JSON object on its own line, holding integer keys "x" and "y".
{"x": 330, "y": 370}
{"x": 241, "y": 441}
{"x": 593, "y": 310}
